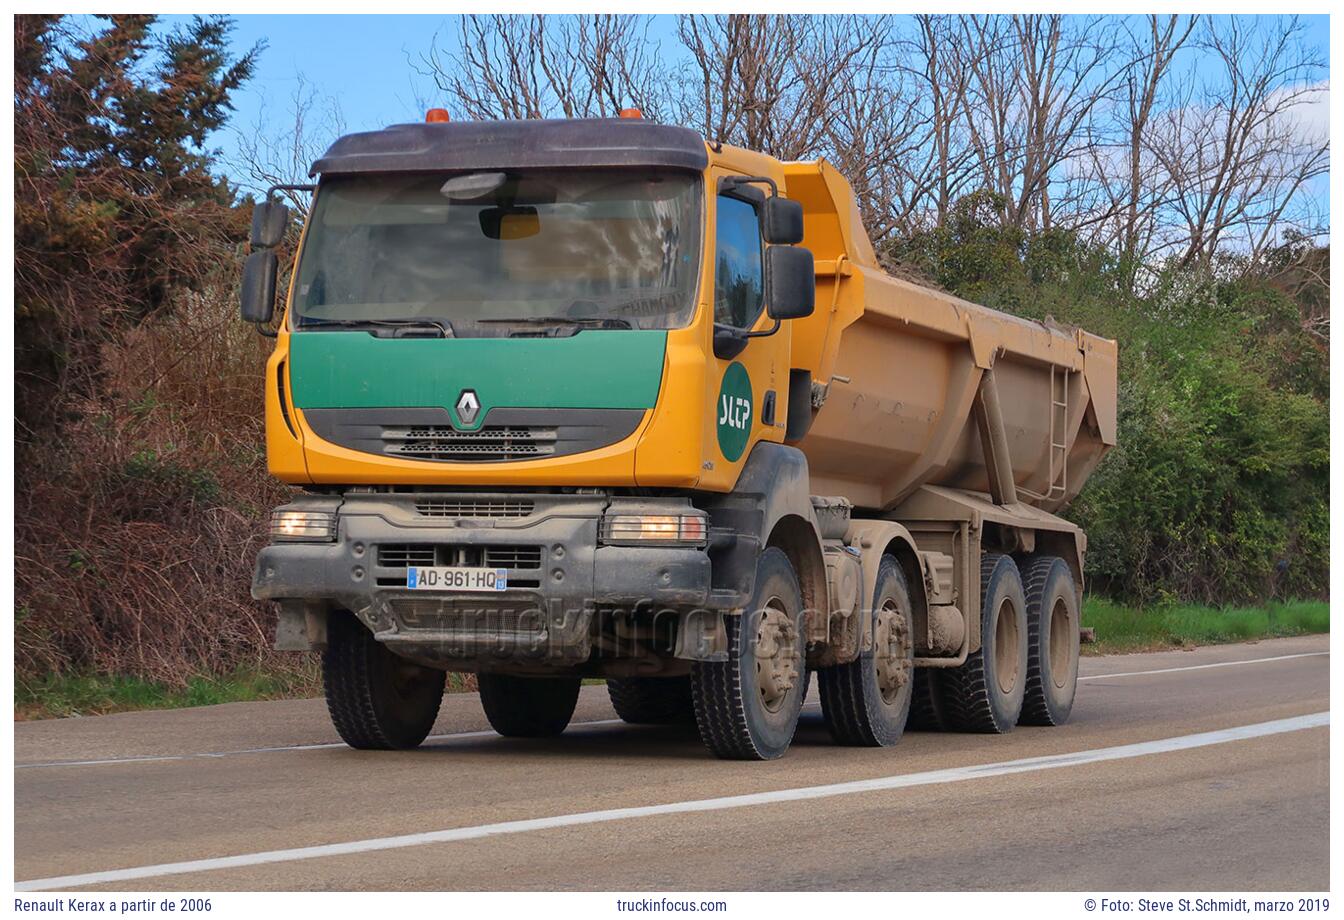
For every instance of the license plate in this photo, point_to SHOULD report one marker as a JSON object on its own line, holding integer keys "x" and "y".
{"x": 456, "y": 578}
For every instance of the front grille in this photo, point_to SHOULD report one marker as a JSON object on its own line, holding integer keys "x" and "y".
{"x": 492, "y": 442}
{"x": 473, "y": 507}
{"x": 404, "y": 555}
{"x": 427, "y": 434}
{"x": 513, "y": 557}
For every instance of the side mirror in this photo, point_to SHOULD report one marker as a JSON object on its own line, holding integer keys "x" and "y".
{"x": 258, "y": 288}
{"x": 782, "y": 221}
{"x": 270, "y": 220}
{"x": 790, "y": 282}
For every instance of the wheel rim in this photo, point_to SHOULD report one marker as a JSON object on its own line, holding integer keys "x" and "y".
{"x": 1006, "y": 640}
{"x": 891, "y": 643}
{"x": 776, "y": 655}
{"x": 1061, "y": 646}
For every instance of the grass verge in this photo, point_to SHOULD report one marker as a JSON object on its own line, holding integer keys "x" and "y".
{"x": 57, "y": 697}
{"x": 1127, "y": 629}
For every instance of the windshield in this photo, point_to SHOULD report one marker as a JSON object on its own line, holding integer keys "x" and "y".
{"x": 491, "y": 254}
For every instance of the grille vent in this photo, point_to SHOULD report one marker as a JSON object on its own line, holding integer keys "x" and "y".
{"x": 404, "y": 555}
{"x": 473, "y": 507}
{"x": 492, "y": 442}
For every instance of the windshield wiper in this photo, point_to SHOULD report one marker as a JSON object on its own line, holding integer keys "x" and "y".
{"x": 441, "y": 327}
{"x": 581, "y": 322}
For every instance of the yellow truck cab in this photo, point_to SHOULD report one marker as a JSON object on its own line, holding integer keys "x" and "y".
{"x": 596, "y": 398}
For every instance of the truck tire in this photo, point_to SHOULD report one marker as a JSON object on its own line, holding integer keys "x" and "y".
{"x": 1053, "y": 630}
{"x": 528, "y": 707}
{"x": 985, "y": 694}
{"x": 746, "y": 708}
{"x": 866, "y": 701}
{"x": 926, "y": 703}
{"x": 377, "y": 700}
{"x": 652, "y": 700}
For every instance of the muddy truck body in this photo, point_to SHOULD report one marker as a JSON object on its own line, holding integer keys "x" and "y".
{"x": 597, "y": 399}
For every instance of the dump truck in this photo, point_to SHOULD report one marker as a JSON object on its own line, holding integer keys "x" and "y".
{"x": 599, "y": 399}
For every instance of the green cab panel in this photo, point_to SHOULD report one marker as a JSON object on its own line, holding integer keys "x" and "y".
{"x": 592, "y": 369}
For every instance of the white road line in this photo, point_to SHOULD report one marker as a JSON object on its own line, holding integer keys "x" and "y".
{"x": 882, "y": 784}
{"x": 1200, "y": 667}
{"x": 452, "y": 736}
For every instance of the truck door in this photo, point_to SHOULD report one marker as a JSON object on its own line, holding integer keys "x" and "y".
{"x": 748, "y": 378}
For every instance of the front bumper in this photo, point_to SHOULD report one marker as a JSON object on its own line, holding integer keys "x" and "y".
{"x": 559, "y": 576}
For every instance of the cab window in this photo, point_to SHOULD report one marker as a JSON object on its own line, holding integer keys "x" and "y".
{"x": 738, "y": 275}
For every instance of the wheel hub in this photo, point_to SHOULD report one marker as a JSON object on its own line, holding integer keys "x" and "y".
{"x": 891, "y": 644}
{"x": 776, "y": 657}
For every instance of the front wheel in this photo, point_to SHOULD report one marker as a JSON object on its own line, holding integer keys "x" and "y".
{"x": 652, "y": 700}
{"x": 866, "y": 701}
{"x": 746, "y": 708}
{"x": 528, "y": 707}
{"x": 377, "y": 700}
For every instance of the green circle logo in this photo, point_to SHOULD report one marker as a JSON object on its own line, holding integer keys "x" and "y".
{"x": 734, "y": 411}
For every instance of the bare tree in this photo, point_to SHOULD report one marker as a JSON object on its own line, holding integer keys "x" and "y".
{"x": 1118, "y": 186}
{"x": 1144, "y": 82}
{"x": 941, "y": 169}
{"x": 876, "y": 134}
{"x": 276, "y": 155}
{"x": 1236, "y": 155}
{"x": 1100, "y": 126}
{"x": 1034, "y": 81}
{"x": 535, "y": 66}
{"x": 772, "y": 83}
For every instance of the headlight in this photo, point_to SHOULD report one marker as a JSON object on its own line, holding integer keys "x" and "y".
{"x": 292, "y": 525}
{"x": 635, "y": 529}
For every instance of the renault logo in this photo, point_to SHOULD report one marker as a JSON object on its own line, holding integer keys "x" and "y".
{"x": 468, "y": 407}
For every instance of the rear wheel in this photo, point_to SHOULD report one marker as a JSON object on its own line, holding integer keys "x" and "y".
{"x": 866, "y": 701}
{"x": 985, "y": 694}
{"x": 652, "y": 700}
{"x": 1052, "y": 640}
{"x": 746, "y": 708}
{"x": 377, "y": 700}
{"x": 528, "y": 707}
{"x": 926, "y": 704}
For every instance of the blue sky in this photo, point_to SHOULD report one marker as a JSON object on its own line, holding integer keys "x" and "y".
{"x": 366, "y": 63}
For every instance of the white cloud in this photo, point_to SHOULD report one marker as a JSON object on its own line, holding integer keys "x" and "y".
{"x": 1308, "y": 116}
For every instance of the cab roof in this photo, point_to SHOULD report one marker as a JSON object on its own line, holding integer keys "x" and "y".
{"x": 621, "y": 142}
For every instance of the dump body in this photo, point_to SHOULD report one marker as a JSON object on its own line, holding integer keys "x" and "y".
{"x": 901, "y": 369}
{"x": 903, "y": 416}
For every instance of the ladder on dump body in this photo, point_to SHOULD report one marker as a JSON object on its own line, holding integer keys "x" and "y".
{"x": 1059, "y": 447}
{"x": 1059, "y": 424}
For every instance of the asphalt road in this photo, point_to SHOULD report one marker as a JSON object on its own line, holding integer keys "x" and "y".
{"x": 1195, "y": 770}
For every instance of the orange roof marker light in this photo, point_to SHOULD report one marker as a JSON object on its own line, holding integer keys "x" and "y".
{"x": 631, "y": 113}
{"x": 434, "y": 116}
